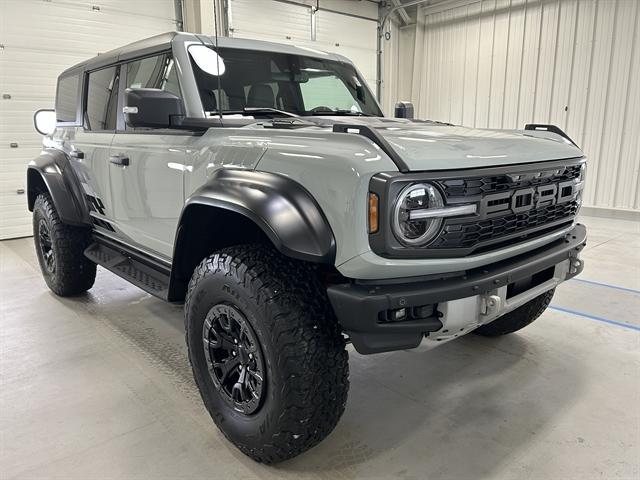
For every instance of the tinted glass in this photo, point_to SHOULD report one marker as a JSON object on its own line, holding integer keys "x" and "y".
{"x": 67, "y": 98}
{"x": 153, "y": 72}
{"x": 326, "y": 91}
{"x": 102, "y": 99}
{"x": 293, "y": 83}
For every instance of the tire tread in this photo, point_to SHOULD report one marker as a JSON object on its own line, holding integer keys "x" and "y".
{"x": 310, "y": 348}
{"x": 74, "y": 272}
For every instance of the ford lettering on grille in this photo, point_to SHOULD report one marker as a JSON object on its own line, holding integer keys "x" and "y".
{"x": 523, "y": 200}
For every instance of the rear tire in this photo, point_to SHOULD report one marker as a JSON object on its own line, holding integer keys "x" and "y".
{"x": 249, "y": 309}
{"x": 60, "y": 250}
{"x": 517, "y": 319}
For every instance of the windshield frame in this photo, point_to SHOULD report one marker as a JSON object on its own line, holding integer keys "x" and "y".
{"x": 363, "y": 97}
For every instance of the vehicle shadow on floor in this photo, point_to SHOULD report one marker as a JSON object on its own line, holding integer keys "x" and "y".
{"x": 459, "y": 411}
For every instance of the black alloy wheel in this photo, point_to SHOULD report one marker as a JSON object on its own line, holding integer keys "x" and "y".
{"x": 234, "y": 358}
{"x": 46, "y": 247}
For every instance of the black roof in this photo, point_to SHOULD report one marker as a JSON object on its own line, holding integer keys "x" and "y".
{"x": 135, "y": 49}
{"x": 164, "y": 40}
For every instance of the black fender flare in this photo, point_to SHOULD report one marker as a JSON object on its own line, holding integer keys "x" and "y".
{"x": 283, "y": 209}
{"x": 53, "y": 169}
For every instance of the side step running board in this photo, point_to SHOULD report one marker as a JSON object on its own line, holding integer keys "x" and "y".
{"x": 153, "y": 279}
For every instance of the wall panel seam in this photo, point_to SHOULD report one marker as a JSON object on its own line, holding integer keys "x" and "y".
{"x": 573, "y": 61}
{"x": 623, "y": 135}
{"x": 594, "y": 194}
{"x": 524, "y": 37}
{"x": 506, "y": 66}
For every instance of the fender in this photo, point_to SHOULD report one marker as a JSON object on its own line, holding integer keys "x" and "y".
{"x": 283, "y": 209}
{"x": 52, "y": 168}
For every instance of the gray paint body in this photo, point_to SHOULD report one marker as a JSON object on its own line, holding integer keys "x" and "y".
{"x": 143, "y": 201}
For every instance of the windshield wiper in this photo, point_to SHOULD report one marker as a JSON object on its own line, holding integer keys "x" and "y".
{"x": 253, "y": 110}
{"x": 340, "y": 112}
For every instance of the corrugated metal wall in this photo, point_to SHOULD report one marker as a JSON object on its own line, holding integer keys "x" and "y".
{"x": 397, "y": 65}
{"x": 38, "y": 40}
{"x": 573, "y": 63}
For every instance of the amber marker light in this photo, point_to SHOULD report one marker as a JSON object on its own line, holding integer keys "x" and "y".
{"x": 373, "y": 213}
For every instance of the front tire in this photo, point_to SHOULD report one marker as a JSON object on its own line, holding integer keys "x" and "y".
{"x": 518, "y": 318}
{"x": 266, "y": 351}
{"x": 60, "y": 250}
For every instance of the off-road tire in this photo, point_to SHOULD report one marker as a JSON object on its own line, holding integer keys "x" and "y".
{"x": 304, "y": 354}
{"x": 73, "y": 273}
{"x": 517, "y": 319}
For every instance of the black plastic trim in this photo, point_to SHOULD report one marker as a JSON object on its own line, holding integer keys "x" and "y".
{"x": 388, "y": 185}
{"x": 161, "y": 266}
{"x": 549, "y": 128}
{"x": 62, "y": 184}
{"x": 357, "y": 306}
{"x": 376, "y": 138}
{"x": 284, "y": 210}
{"x": 137, "y": 268}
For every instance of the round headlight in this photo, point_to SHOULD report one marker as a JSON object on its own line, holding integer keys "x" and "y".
{"x": 411, "y": 223}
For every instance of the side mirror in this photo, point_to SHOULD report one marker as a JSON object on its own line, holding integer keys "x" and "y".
{"x": 45, "y": 121}
{"x": 151, "y": 108}
{"x": 404, "y": 110}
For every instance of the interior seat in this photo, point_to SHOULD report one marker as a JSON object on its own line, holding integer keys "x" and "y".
{"x": 208, "y": 100}
{"x": 261, "y": 96}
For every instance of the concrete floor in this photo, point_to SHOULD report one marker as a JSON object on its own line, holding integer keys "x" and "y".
{"x": 99, "y": 386}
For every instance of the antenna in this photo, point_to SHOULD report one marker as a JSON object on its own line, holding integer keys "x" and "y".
{"x": 215, "y": 31}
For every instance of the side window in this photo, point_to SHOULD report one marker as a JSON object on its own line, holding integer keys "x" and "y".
{"x": 153, "y": 72}
{"x": 171, "y": 84}
{"x": 67, "y": 98}
{"x": 102, "y": 99}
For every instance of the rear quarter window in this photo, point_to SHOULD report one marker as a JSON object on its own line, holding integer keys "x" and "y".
{"x": 67, "y": 99}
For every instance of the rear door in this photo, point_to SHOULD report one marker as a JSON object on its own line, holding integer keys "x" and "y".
{"x": 92, "y": 144}
{"x": 148, "y": 192}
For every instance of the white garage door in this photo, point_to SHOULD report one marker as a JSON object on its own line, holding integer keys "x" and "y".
{"x": 38, "y": 40}
{"x": 355, "y": 38}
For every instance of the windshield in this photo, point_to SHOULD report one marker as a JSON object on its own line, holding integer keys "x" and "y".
{"x": 254, "y": 82}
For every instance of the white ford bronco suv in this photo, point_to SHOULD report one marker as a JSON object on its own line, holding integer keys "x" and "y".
{"x": 261, "y": 185}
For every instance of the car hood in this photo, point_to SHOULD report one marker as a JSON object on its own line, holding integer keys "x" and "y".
{"x": 436, "y": 146}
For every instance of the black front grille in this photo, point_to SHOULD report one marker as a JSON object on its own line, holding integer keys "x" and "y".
{"x": 513, "y": 204}
{"x": 472, "y": 233}
{"x": 469, "y": 187}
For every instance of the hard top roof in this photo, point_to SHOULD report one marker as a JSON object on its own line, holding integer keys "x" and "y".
{"x": 165, "y": 40}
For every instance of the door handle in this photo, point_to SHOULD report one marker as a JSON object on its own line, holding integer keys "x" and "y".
{"x": 121, "y": 160}
{"x": 77, "y": 154}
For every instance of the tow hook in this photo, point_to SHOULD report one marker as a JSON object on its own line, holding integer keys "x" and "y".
{"x": 575, "y": 266}
{"x": 490, "y": 305}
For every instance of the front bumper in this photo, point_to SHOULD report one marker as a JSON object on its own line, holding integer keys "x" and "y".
{"x": 458, "y": 303}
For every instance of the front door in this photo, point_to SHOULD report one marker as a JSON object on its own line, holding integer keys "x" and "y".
{"x": 146, "y": 174}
